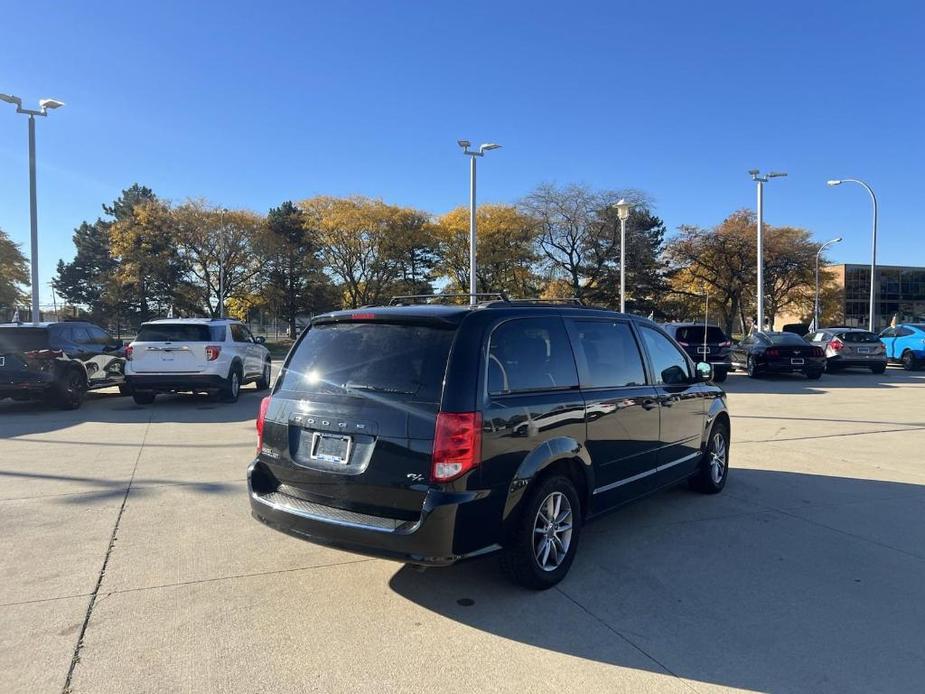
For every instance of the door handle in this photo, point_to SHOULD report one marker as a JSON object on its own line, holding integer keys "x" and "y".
{"x": 649, "y": 404}
{"x": 667, "y": 400}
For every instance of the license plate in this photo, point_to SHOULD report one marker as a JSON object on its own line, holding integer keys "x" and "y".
{"x": 703, "y": 350}
{"x": 863, "y": 350}
{"x": 2, "y": 361}
{"x": 331, "y": 448}
{"x": 796, "y": 362}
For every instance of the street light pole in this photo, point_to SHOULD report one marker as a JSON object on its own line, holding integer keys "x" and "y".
{"x": 871, "y": 320}
{"x": 816, "y": 301}
{"x": 472, "y": 154}
{"x": 221, "y": 265}
{"x": 44, "y": 105}
{"x": 761, "y": 180}
{"x": 623, "y": 212}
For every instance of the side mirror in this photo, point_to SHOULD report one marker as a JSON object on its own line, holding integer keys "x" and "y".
{"x": 704, "y": 372}
{"x": 260, "y": 339}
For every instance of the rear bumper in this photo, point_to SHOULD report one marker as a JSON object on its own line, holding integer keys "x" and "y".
{"x": 26, "y": 385}
{"x": 858, "y": 360}
{"x": 434, "y": 539}
{"x": 174, "y": 382}
{"x": 786, "y": 367}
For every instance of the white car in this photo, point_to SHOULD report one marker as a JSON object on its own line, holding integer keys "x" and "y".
{"x": 196, "y": 355}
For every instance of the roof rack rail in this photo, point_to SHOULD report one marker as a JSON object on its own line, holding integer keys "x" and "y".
{"x": 570, "y": 300}
{"x": 407, "y": 299}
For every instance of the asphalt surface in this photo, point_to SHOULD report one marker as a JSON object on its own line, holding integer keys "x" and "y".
{"x": 130, "y": 563}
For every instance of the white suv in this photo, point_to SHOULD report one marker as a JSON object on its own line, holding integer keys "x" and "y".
{"x": 196, "y": 355}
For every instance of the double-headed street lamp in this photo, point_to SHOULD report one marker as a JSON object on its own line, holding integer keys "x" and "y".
{"x": 623, "y": 213}
{"x": 816, "y": 302}
{"x": 44, "y": 105}
{"x": 761, "y": 180}
{"x": 872, "y": 322}
{"x": 472, "y": 154}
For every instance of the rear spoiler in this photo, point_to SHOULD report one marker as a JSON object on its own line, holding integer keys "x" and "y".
{"x": 369, "y": 315}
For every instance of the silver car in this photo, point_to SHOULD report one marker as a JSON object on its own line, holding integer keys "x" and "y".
{"x": 846, "y": 347}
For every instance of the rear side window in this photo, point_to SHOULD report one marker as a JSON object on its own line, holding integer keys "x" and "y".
{"x": 384, "y": 359}
{"x": 855, "y": 337}
{"x": 694, "y": 334}
{"x": 181, "y": 332}
{"x": 609, "y": 355}
{"x": 23, "y": 339}
{"x": 530, "y": 354}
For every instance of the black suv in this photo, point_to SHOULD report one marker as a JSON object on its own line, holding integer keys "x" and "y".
{"x": 429, "y": 433}
{"x": 58, "y": 362}
{"x": 704, "y": 343}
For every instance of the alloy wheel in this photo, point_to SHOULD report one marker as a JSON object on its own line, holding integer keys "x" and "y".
{"x": 718, "y": 455}
{"x": 552, "y": 531}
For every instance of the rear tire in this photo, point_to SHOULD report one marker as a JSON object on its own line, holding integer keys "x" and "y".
{"x": 910, "y": 363}
{"x": 542, "y": 545}
{"x": 814, "y": 375}
{"x": 719, "y": 375}
{"x": 143, "y": 397}
{"x": 232, "y": 387}
{"x": 752, "y": 368}
{"x": 264, "y": 381}
{"x": 125, "y": 389}
{"x": 68, "y": 393}
{"x": 879, "y": 369}
{"x": 714, "y": 466}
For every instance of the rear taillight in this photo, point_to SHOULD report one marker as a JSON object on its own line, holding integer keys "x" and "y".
{"x": 261, "y": 417}
{"x": 819, "y": 352}
{"x": 727, "y": 343}
{"x": 212, "y": 352}
{"x": 773, "y": 352}
{"x": 837, "y": 344}
{"x": 457, "y": 445}
{"x": 683, "y": 344}
{"x": 128, "y": 353}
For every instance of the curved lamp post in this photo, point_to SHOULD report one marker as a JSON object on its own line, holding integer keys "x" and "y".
{"x": 873, "y": 249}
{"x": 761, "y": 180}
{"x": 816, "y": 302}
{"x": 44, "y": 105}
{"x": 472, "y": 154}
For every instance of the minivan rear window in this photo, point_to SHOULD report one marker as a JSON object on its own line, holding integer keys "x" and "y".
{"x": 858, "y": 337}
{"x": 694, "y": 334}
{"x": 390, "y": 360}
{"x": 181, "y": 332}
{"x": 23, "y": 339}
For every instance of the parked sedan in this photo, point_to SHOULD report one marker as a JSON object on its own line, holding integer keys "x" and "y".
{"x": 703, "y": 343}
{"x": 846, "y": 347}
{"x": 906, "y": 344}
{"x": 770, "y": 352}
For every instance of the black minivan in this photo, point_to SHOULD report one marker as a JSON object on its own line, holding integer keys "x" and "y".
{"x": 432, "y": 433}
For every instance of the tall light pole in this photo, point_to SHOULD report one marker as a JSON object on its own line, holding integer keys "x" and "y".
{"x": 472, "y": 154}
{"x": 623, "y": 212}
{"x": 872, "y": 321}
{"x": 761, "y": 180}
{"x": 221, "y": 264}
{"x": 816, "y": 302}
{"x": 44, "y": 105}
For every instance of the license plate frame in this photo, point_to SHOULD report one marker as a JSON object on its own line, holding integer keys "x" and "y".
{"x": 703, "y": 350}
{"x": 2, "y": 361}
{"x": 797, "y": 361}
{"x": 863, "y": 350}
{"x": 322, "y": 449}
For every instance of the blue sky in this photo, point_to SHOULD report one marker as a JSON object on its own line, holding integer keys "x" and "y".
{"x": 250, "y": 104}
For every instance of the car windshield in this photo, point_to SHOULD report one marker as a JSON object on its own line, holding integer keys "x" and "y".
{"x": 860, "y": 336}
{"x": 23, "y": 339}
{"x": 389, "y": 359}
{"x": 181, "y": 332}
{"x": 694, "y": 334}
{"x": 785, "y": 339}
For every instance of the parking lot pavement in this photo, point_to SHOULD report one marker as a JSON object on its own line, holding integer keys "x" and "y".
{"x": 806, "y": 574}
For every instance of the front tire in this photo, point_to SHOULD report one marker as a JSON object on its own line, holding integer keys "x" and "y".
{"x": 542, "y": 546}
{"x": 264, "y": 381}
{"x": 714, "y": 466}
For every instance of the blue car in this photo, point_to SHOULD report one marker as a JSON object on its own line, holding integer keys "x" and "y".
{"x": 905, "y": 344}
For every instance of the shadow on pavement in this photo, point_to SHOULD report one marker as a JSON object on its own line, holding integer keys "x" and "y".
{"x": 786, "y": 582}
{"x": 798, "y": 384}
{"x": 108, "y": 407}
